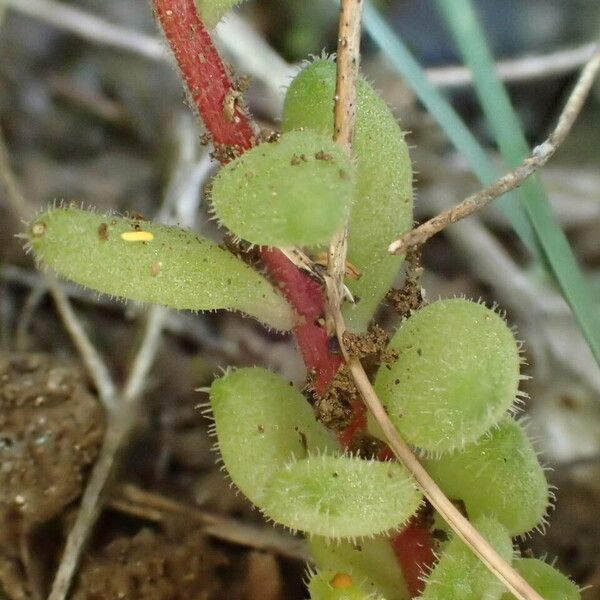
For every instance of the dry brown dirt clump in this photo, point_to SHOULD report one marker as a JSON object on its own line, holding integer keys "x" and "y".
{"x": 51, "y": 428}
{"x": 151, "y": 566}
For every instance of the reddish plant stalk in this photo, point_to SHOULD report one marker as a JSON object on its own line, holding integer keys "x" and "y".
{"x": 215, "y": 97}
{"x": 413, "y": 548}
{"x": 306, "y": 296}
{"x": 206, "y": 78}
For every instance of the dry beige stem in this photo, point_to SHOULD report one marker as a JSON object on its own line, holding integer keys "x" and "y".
{"x": 459, "y": 524}
{"x": 348, "y": 60}
{"x": 344, "y": 125}
{"x": 539, "y": 157}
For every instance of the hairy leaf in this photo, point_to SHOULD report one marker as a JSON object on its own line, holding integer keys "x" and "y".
{"x": 498, "y": 475}
{"x": 262, "y": 422}
{"x": 383, "y": 203}
{"x": 296, "y": 191}
{"x": 456, "y": 375}
{"x": 140, "y": 260}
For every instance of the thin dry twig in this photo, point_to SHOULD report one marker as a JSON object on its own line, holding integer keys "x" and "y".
{"x": 149, "y": 505}
{"x": 524, "y": 68}
{"x": 18, "y": 203}
{"x": 540, "y": 156}
{"x": 348, "y": 62}
{"x": 92, "y": 360}
{"x": 144, "y": 359}
{"x": 344, "y": 125}
{"x": 30, "y": 305}
{"x": 344, "y": 118}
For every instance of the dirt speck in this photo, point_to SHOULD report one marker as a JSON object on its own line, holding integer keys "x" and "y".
{"x": 103, "y": 232}
{"x": 322, "y": 155}
{"x": 297, "y": 159}
{"x": 155, "y": 269}
{"x": 230, "y": 102}
{"x": 334, "y": 407}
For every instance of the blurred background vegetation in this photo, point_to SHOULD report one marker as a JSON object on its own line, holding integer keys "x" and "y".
{"x": 92, "y": 111}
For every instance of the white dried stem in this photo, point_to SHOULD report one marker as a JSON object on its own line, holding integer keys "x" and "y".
{"x": 457, "y": 522}
{"x": 539, "y": 157}
{"x": 92, "y": 360}
{"x": 348, "y": 62}
{"x": 524, "y": 68}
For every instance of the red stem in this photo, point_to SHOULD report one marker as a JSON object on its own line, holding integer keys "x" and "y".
{"x": 306, "y": 296}
{"x": 215, "y": 98}
{"x": 413, "y": 548}
{"x": 206, "y": 77}
{"x": 211, "y": 89}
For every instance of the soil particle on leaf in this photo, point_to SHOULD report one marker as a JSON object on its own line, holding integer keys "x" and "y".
{"x": 365, "y": 445}
{"x": 334, "y": 407}
{"x": 152, "y": 566}
{"x": 51, "y": 428}
{"x": 370, "y": 347}
{"x": 409, "y": 297}
{"x": 103, "y": 232}
{"x": 322, "y": 155}
{"x": 269, "y": 136}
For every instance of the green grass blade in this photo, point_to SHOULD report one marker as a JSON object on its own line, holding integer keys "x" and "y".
{"x": 462, "y": 21}
{"x": 402, "y": 60}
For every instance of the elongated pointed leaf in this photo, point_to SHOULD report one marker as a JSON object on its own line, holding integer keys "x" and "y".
{"x": 140, "y": 260}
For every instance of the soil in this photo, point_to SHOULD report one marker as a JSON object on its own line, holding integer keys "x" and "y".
{"x": 334, "y": 408}
{"x": 152, "y": 566}
{"x": 51, "y": 428}
{"x": 409, "y": 297}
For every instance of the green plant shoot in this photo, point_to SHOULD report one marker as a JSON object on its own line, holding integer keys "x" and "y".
{"x": 140, "y": 260}
{"x": 383, "y": 201}
{"x": 296, "y": 191}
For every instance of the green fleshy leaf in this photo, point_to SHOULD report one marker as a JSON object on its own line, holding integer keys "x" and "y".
{"x": 341, "y": 496}
{"x": 498, "y": 475}
{"x": 371, "y": 561}
{"x": 331, "y": 585}
{"x": 545, "y": 580}
{"x": 176, "y": 268}
{"x": 457, "y": 374}
{"x": 296, "y": 191}
{"x": 383, "y": 203}
{"x": 262, "y": 422}
{"x": 460, "y": 575}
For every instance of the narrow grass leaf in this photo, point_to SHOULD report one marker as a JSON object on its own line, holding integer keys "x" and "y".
{"x": 468, "y": 34}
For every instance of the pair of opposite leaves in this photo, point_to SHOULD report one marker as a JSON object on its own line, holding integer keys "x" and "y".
{"x": 297, "y": 191}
